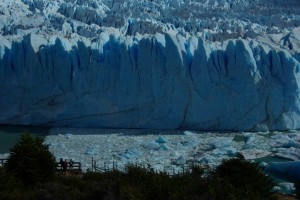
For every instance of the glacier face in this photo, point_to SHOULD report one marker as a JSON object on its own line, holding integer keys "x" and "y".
{"x": 151, "y": 64}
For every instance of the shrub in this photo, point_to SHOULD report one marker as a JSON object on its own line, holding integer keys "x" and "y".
{"x": 197, "y": 170}
{"x": 12, "y": 189}
{"x": 31, "y": 161}
{"x": 67, "y": 188}
{"x": 298, "y": 189}
{"x": 247, "y": 179}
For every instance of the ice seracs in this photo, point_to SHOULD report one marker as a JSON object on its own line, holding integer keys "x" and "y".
{"x": 211, "y": 65}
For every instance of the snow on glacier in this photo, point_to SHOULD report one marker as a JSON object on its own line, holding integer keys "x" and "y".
{"x": 150, "y": 64}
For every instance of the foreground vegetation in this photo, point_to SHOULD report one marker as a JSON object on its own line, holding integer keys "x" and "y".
{"x": 139, "y": 183}
{"x": 233, "y": 179}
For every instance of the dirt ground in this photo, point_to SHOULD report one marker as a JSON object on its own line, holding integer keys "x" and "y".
{"x": 286, "y": 197}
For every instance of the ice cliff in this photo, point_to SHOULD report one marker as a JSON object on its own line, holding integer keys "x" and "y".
{"x": 211, "y": 65}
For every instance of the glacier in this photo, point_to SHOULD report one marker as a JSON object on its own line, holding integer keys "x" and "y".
{"x": 151, "y": 64}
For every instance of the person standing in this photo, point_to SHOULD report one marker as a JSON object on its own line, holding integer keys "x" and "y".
{"x": 65, "y": 166}
{"x": 61, "y": 162}
{"x": 71, "y": 163}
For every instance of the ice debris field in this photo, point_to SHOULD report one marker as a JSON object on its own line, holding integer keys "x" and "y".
{"x": 278, "y": 153}
{"x": 158, "y": 64}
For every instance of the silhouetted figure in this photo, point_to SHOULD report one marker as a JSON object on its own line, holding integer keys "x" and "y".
{"x": 61, "y": 162}
{"x": 65, "y": 166}
{"x": 71, "y": 164}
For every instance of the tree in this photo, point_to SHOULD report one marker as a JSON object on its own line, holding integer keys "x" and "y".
{"x": 246, "y": 178}
{"x": 31, "y": 161}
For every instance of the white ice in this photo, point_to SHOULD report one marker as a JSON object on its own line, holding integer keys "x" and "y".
{"x": 226, "y": 65}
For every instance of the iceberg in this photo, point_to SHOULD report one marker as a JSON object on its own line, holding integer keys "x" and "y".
{"x": 161, "y": 140}
{"x": 150, "y": 145}
{"x": 131, "y": 154}
{"x": 220, "y": 142}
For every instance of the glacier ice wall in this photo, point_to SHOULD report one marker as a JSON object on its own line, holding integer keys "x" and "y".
{"x": 160, "y": 81}
{"x": 166, "y": 64}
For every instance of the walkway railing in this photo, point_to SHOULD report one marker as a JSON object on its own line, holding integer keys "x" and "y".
{"x": 3, "y": 162}
{"x": 74, "y": 168}
{"x": 111, "y": 167}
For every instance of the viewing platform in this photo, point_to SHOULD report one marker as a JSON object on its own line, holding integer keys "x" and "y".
{"x": 74, "y": 169}
{"x": 3, "y": 162}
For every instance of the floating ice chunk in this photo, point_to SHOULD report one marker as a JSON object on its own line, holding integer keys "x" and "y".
{"x": 188, "y": 133}
{"x": 161, "y": 140}
{"x": 263, "y": 133}
{"x": 69, "y": 136}
{"x": 174, "y": 154}
{"x": 276, "y": 189}
{"x": 248, "y": 146}
{"x": 164, "y": 147}
{"x": 220, "y": 142}
{"x": 250, "y": 137}
{"x": 179, "y": 161}
{"x": 224, "y": 151}
{"x": 285, "y": 169}
{"x": 287, "y": 187}
{"x": 132, "y": 153}
{"x": 62, "y": 145}
{"x": 91, "y": 151}
{"x": 207, "y": 159}
{"x": 286, "y": 142}
{"x": 253, "y": 153}
{"x": 190, "y": 143}
{"x": 158, "y": 167}
{"x": 295, "y": 136}
{"x": 289, "y": 153}
{"x": 150, "y": 145}
{"x": 263, "y": 164}
{"x": 52, "y": 144}
{"x": 291, "y": 143}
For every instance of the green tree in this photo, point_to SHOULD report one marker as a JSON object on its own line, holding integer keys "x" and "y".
{"x": 31, "y": 161}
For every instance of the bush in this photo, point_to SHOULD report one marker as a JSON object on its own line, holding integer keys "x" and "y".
{"x": 233, "y": 180}
{"x": 31, "y": 161}
{"x": 12, "y": 189}
{"x": 66, "y": 188}
{"x": 298, "y": 189}
{"x": 101, "y": 185}
{"x": 247, "y": 179}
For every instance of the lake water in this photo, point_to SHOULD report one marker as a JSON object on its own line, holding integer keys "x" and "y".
{"x": 10, "y": 134}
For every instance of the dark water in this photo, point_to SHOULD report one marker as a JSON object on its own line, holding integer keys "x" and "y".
{"x": 268, "y": 159}
{"x": 10, "y": 134}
